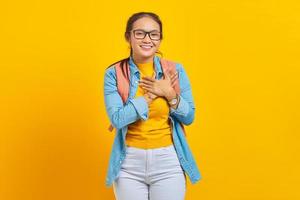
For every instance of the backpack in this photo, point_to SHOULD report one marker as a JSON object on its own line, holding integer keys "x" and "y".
{"x": 123, "y": 80}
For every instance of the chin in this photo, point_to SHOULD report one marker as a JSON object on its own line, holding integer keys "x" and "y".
{"x": 147, "y": 55}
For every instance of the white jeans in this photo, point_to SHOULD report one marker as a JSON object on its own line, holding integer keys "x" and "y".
{"x": 150, "y": 174}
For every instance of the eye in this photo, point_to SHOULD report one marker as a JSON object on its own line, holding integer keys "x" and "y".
{"x": 155, "y": 35}
{"x": 139, "y": 33}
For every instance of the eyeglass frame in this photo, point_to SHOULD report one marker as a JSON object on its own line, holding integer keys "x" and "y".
{"x": 146, "y": 33}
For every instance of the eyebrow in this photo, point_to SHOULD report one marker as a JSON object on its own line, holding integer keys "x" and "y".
{"x": 145, "y": 30}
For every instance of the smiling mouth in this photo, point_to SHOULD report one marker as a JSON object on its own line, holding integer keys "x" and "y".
{"x": 146, "y": 46}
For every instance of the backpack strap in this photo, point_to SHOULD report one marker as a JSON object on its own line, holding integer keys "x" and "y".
{"x": 123, "y": 79}
{"x": 170, "y": 67}
{"x": 123, "y": 82}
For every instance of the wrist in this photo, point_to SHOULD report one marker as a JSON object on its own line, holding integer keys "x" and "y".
{"x": 174, "y": 102}
{"x": 171, "y": 94}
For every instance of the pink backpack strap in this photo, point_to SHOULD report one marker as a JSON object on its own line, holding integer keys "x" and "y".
{"x": 123, "y": 82}
{"x": 170, "y": 67}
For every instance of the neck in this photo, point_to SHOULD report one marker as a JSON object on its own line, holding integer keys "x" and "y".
{"x": 138, "y": 59}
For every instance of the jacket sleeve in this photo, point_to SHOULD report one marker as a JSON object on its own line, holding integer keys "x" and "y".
{"x": 185, "y": 110}
{"x": 121, "y": 115}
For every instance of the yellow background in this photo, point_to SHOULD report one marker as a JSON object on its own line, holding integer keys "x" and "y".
{"x": 242, "y": 58}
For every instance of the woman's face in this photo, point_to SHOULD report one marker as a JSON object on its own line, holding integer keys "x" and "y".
{"x": 143, "y": 50}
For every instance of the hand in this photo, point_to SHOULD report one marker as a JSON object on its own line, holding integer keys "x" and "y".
{"x": 151, "y": 95}
{"x": 162, "y": 87}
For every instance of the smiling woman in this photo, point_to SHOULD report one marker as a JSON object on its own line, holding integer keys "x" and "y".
{"x": 144, "y": 101}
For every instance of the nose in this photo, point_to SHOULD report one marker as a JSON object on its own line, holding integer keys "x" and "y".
{"x": 147, "y": 38}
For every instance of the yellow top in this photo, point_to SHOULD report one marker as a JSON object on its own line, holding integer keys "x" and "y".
{"x": 156, "y": 131}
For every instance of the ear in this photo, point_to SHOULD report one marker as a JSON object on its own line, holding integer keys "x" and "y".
{"x": 129, "y": 41}
{"x": 127, "y": 37}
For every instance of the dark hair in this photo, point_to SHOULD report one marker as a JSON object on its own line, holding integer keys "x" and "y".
{"x": 137, "y": 16}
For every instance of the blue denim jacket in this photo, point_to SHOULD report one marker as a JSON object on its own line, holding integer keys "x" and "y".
{"x": 137, "y": 108}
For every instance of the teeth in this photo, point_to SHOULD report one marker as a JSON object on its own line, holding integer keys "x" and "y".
{"x": 147, "y": 47}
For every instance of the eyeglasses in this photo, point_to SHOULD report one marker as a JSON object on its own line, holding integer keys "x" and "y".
{"x": 141, "y": 34}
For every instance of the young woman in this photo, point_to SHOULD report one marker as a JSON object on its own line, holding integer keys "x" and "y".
{"x": 150, "y": 156}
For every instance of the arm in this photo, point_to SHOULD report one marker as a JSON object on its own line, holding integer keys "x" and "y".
{"x": 119, "y": 114}
{"x": 185, "y": 110}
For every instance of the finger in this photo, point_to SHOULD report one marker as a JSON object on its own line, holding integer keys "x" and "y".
{"x": 144, "y": 85}
{"x": 174, "y": 75}
{"x": 146, "y": 82}
{"x": 148, "y": 78}
{"x": 153, "y": 94}
{"x": 154, "y": 75}
{"x": 174, "y": 78}
{"x": 173, "y": 81}
{"x": 173, "y": 84}
{"x": 166, "y": 73}
{"x": 150, "y": 89}
{"x": 167, "y": 77}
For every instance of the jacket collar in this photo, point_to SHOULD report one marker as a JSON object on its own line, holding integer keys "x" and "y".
{"x": 135, "y": 70}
